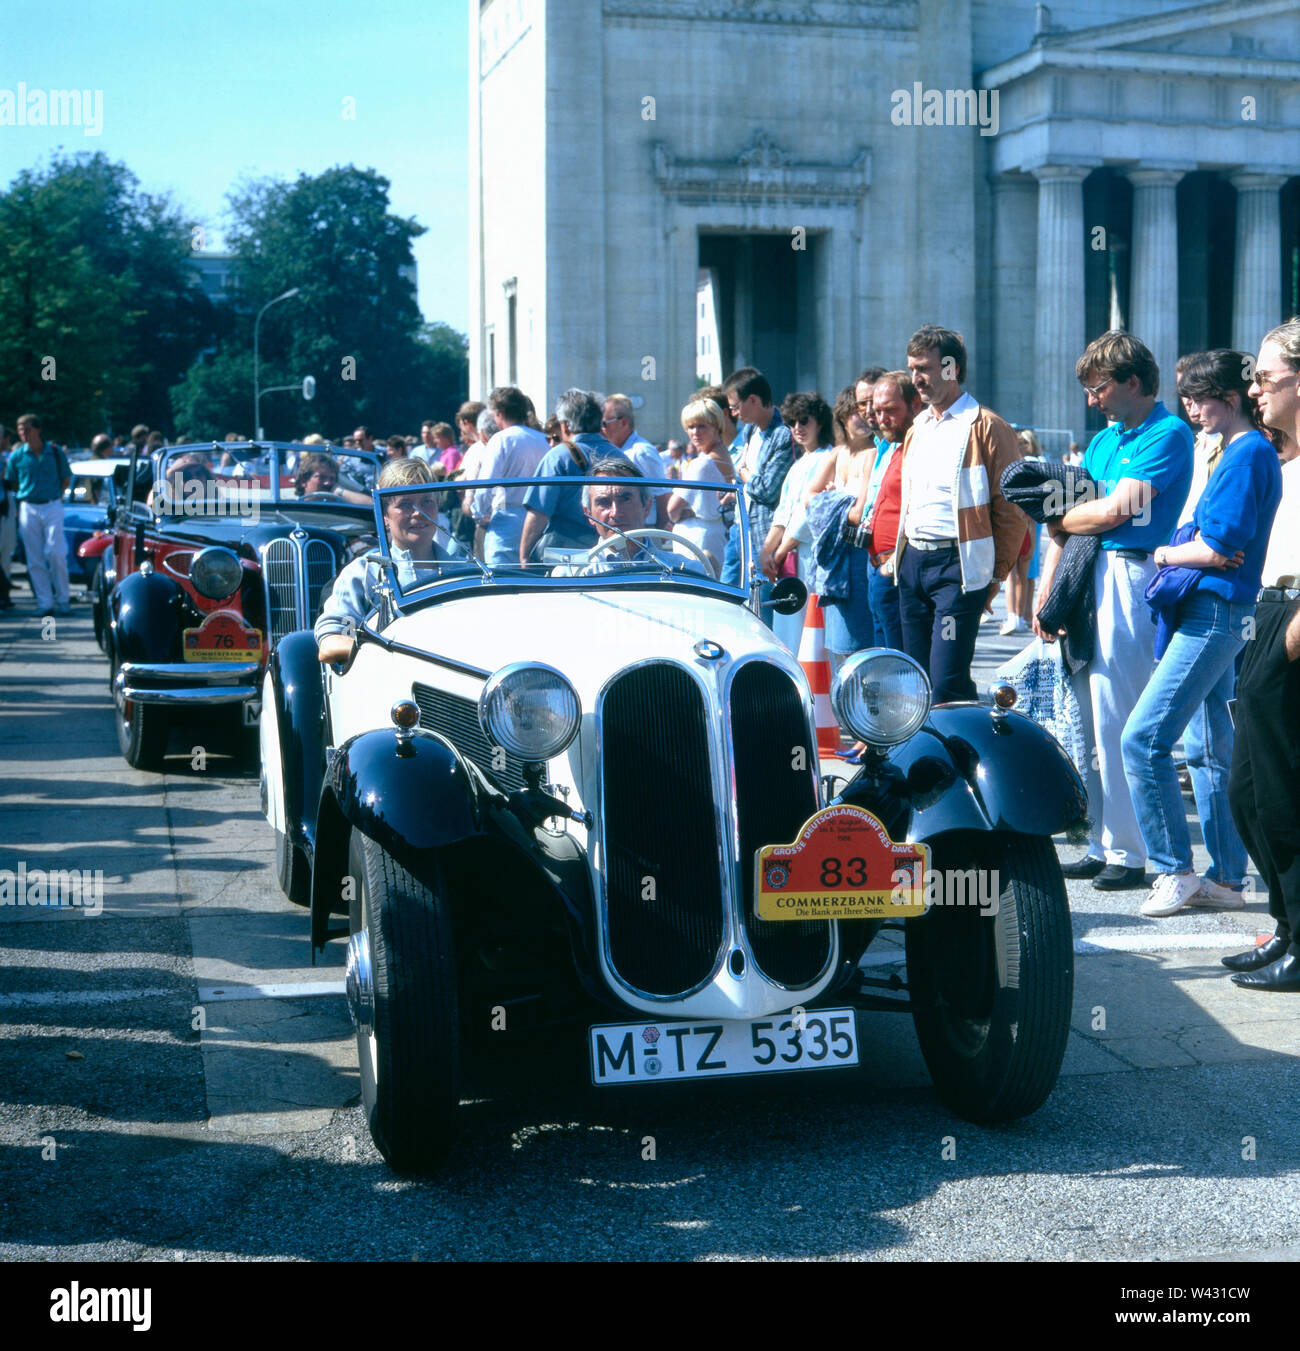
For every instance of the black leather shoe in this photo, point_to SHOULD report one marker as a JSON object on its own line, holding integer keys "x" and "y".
{"x": 1259, "y": 956}
{"x": 1087, "y": 866}
{"x": 1282, "y": 975}
{"x": 1114, "y": 878}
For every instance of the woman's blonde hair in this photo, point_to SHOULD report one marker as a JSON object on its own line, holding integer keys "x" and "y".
{"x": 1030, "y": 442}
{"x": 703, "y": 410}
{"x": 398, "y": 473}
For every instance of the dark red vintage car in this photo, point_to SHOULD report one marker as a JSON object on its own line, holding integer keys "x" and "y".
{"x": 217, "y": 552}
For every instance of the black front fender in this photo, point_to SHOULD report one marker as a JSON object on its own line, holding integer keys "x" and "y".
{"x": 300, "y": 716}
{"x": 147, "y": 618}
{"x": 409, "y": 797}
{"x": 969, "y": 770}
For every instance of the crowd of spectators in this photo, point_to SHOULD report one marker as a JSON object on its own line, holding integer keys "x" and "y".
{"x": 1180, "y": 548}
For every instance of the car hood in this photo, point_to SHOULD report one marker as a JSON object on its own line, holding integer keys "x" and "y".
{"x": 587, "y": 636}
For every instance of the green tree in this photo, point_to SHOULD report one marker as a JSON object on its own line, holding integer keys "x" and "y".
{"x": 354, "y": 323}
{"x": 99, "y": 311}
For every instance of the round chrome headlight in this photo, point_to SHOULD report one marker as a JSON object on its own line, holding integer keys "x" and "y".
{"x": 529, "y": 710}
{"x": 216, "y": 573}
{"x": 881, "y": 696}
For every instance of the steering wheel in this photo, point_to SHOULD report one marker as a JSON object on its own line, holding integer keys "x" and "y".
{"x": 651, "y": 532}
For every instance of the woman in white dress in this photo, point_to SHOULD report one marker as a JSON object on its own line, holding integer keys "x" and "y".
{"x": 697, "y": 515}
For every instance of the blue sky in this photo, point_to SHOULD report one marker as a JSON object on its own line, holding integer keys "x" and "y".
{"x": 197, "y": 96}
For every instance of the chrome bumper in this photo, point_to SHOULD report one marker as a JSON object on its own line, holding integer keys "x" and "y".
{"x": 188, "y": 682}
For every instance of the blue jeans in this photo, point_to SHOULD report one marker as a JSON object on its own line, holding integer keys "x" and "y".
{"x": 883, "y": 595}
{"x": 731, "y": 559}
{"x": 1189, "y": 689}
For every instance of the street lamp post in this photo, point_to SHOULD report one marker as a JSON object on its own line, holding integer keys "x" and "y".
{"x": 257, "y": 398}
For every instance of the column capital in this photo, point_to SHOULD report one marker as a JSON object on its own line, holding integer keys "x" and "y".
{"x": 1251, "y": 181}
{"x": 1061, "y": 173}
{"x": 1154, "y": 178}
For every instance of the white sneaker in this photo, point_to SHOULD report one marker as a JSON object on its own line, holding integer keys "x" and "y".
{"x": 1013, "y": 624}
{"x": 1171, "y": 892}
{"x": 1215, "y": 896}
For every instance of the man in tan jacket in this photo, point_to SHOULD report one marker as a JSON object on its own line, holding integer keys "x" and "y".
{"x": 958, "y": 536}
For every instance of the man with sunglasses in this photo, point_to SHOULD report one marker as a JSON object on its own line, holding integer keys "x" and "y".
{"x": 1142, "y": 466}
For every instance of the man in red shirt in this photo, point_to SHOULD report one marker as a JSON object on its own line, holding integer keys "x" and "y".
{"x": 895, "y": 404}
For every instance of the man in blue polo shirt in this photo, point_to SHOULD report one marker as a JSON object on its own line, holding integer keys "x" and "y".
{"x": 38, "y": 476}
{"x": 1142, "y": 465}
{"x": 555, "y": 511}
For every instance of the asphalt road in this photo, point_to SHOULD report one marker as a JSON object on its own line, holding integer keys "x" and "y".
{"x": 171, "y": 1086}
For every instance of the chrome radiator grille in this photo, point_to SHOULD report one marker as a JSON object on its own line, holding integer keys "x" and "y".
{"x": 775, "y": 794}
{"x": 318, "y": 562}
{"x": 663, "y": 863}
{"x": 295, "y": 570}
{"x": 279, "y": 572}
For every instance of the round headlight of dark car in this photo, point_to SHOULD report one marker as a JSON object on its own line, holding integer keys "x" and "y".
{"x": 529, "y": 710}
{"x": 216, "y": 573}
{"x": 881, "y": 696}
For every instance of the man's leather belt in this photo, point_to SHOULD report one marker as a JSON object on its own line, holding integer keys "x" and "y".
{"x": 931, "y": 545}
{"x": 1282, "y": 593}
{"x": 1140, "y": 554}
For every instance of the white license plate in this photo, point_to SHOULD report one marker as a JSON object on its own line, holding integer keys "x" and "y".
{"x": 631, "y": 1053}
{"x": 252, "y": 712}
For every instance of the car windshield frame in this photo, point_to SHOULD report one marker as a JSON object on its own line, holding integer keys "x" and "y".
{"x": 276, "y": 459}
{"x": 478, "y": 579}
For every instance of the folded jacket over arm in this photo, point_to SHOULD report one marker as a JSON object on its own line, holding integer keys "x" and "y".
{"x": 1045, "y": 490}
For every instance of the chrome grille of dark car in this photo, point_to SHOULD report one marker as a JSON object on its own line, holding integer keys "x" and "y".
{"x": 457, "y": 720}
{"x": 663, "y": 879}
{"x": 319, "y": 562}
{"x": 280, "y": 573}
{"x": 775, "y": 794}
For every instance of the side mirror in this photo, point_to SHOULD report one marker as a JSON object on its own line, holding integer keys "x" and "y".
{"x": 788, "y": 597}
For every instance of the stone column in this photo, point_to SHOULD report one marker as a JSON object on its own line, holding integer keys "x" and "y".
{"x": 1257, "y": 281}
{"x": 1059, "y": 403}
{"x": 1153, "y": 290}
{"x": 1015, "y": 212}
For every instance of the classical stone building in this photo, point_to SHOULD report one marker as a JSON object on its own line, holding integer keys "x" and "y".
{"x": 828, "y": 174}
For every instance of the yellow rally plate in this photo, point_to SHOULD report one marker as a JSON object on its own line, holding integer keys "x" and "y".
{"x": 842, "y": 865}
{"x": 222, "y": 636}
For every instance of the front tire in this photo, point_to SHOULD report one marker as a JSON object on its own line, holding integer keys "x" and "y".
{"x": 409, "y": 1054}
{"x": 991, "y": 995}
{"x": 142, "y": 731}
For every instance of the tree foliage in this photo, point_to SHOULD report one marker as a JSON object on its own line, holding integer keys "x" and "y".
{"x": 354, "y": 323}
{"x": 99, "y": 311}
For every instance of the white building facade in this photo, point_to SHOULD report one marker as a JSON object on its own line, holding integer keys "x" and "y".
{"x": 844, "y": 171}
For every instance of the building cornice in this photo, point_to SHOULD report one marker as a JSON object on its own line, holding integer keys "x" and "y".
{"x": 1137, "y": 63}
{"x": 761, "y": 172}
{"x": 876, "y": 14}
{"x": 1171, "y": 23}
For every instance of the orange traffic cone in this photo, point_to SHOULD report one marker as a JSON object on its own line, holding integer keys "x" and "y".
{"x": 816, "y": 665}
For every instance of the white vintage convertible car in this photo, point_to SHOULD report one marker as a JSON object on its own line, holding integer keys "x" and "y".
{"x": 590, "y": 783}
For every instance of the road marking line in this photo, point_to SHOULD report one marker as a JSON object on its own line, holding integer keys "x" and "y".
{"x": 215, "y": 994}
{"x": 1155, "y": 943}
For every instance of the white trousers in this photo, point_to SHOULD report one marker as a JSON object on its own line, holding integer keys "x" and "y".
{"x": 1107, "y": 690}
{"x": 41, "y": 526}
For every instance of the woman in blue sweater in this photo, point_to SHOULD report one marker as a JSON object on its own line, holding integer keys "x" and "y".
{"x": 1189, "y": 691}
